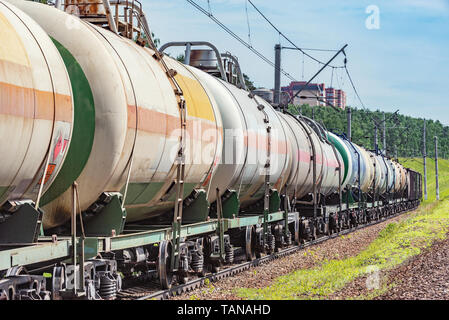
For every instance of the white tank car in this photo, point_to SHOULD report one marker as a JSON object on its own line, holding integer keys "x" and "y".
{"x": 137, "y": 120}
{"x": 300, "y": 179}
{"x": 36, "y": 107}
{"x": 245, "y": 148}
{"x": 328, "y": 159}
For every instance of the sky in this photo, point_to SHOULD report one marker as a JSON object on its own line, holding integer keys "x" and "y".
{"x": 398, "y": 50}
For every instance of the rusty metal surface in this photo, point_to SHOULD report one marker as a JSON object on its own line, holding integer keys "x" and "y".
{"x": 84, "y": 7}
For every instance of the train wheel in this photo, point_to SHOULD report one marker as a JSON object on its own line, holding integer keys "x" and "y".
{"x": 297, "y": 238}
{"x": 295, "y": 231}
{"x": 328, "y": 229}
{"x": 314, "y": 232}
{"x": 58, "y": 281}
{"x": 250, "y": 243}
{"x": 216, "y": 266}
{"x": 183, "y": 279}
{"x": 339, "y": 224}
{"x": 165, "y": 275}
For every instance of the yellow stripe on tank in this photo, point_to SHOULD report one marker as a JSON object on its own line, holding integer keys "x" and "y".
{"x": 197, "y": 101}
{"x": 11, "y": 48}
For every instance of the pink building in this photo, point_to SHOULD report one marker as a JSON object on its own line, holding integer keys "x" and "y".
{"x": 336, "y": 97}
{"x": 308, "y": 94}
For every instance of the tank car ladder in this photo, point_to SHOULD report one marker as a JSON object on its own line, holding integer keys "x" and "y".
{"x": 177, "y": 216}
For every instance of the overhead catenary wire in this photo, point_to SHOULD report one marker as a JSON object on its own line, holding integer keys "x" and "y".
{"x": 354, "y": 88}
{"x": 230, "y": 32}
{"x": 311, "y": 49}
{"x": 285, "y": 37}
{"x": 281, "y": 34}
{"x": 319, "y": 71}
{"x": 247, "y": 22}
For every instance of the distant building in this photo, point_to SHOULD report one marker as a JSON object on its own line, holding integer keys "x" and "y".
{"x": 336, "y": 97}
{"x": 315, "y": 94}
{"x": 265, "y": 94}
{"x": 331, "y": 96}
{"x": 312, "y": 94}
{"x": 340, "y": 99}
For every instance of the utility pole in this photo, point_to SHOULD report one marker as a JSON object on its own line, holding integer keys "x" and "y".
{"x": 384, "y": 142}
{"x": 424, "y": 160}
{"x": 277, "y": 74}
{"x": 187, "y": 53}
{"x": 349, "y": 129}
{"x": 375, "y": 139}
{"x": 376, "y": 128}
{"x": 436, "y": 168}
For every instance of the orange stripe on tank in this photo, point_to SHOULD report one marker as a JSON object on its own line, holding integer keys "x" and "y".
{"x": 260, "y": 142}
{"x": 21, "y": 102}
{"x": 45, "y": 106}
{"x": 156, "y": 122}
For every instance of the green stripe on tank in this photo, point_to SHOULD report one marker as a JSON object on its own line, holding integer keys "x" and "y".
{"x": 83, "y": 128}
{"x": 342, "y": 152}
{"x": 141, "y": 193}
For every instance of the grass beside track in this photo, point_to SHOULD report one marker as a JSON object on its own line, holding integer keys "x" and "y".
{"x": 395, "y": 244}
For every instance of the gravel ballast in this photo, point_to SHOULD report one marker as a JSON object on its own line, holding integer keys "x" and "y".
{"x": 262, "y": 276}
{"x": 425, "y": 277}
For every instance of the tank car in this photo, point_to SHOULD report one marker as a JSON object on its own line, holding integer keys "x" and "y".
{"x": 125, "y": 162}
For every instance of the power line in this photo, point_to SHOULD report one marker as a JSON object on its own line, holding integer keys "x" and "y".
{"x": 319, "y": 71}
{"x": 247, "y": 22}
{"x": 353, "y": 87}
{"x": 311, "y": 49}
{"x": 230, "y": 32}
{"x": 285, "y": 37}
{"x": 264, "y": 58}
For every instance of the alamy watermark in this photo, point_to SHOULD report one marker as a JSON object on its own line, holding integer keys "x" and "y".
{"x": 373, "y": 278}
{"x": 372, "y": 22}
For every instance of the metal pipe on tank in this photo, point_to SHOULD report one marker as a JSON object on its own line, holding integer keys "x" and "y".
{"x": 239, "y": 70}
{"x": 199, "y": 43}
{"x": 111, "y": 21}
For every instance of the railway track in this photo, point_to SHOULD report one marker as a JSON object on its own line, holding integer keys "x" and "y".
{"x": 149, "y": 291}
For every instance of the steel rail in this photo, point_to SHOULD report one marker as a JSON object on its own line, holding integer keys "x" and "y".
{"x": 200, "y": 282}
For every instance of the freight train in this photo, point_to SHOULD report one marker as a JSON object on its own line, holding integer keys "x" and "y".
{"x": 119, "y": 161}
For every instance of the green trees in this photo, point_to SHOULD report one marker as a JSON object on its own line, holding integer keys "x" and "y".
{"x": 249, "y": 84}
{"x": 403, "y": 132}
